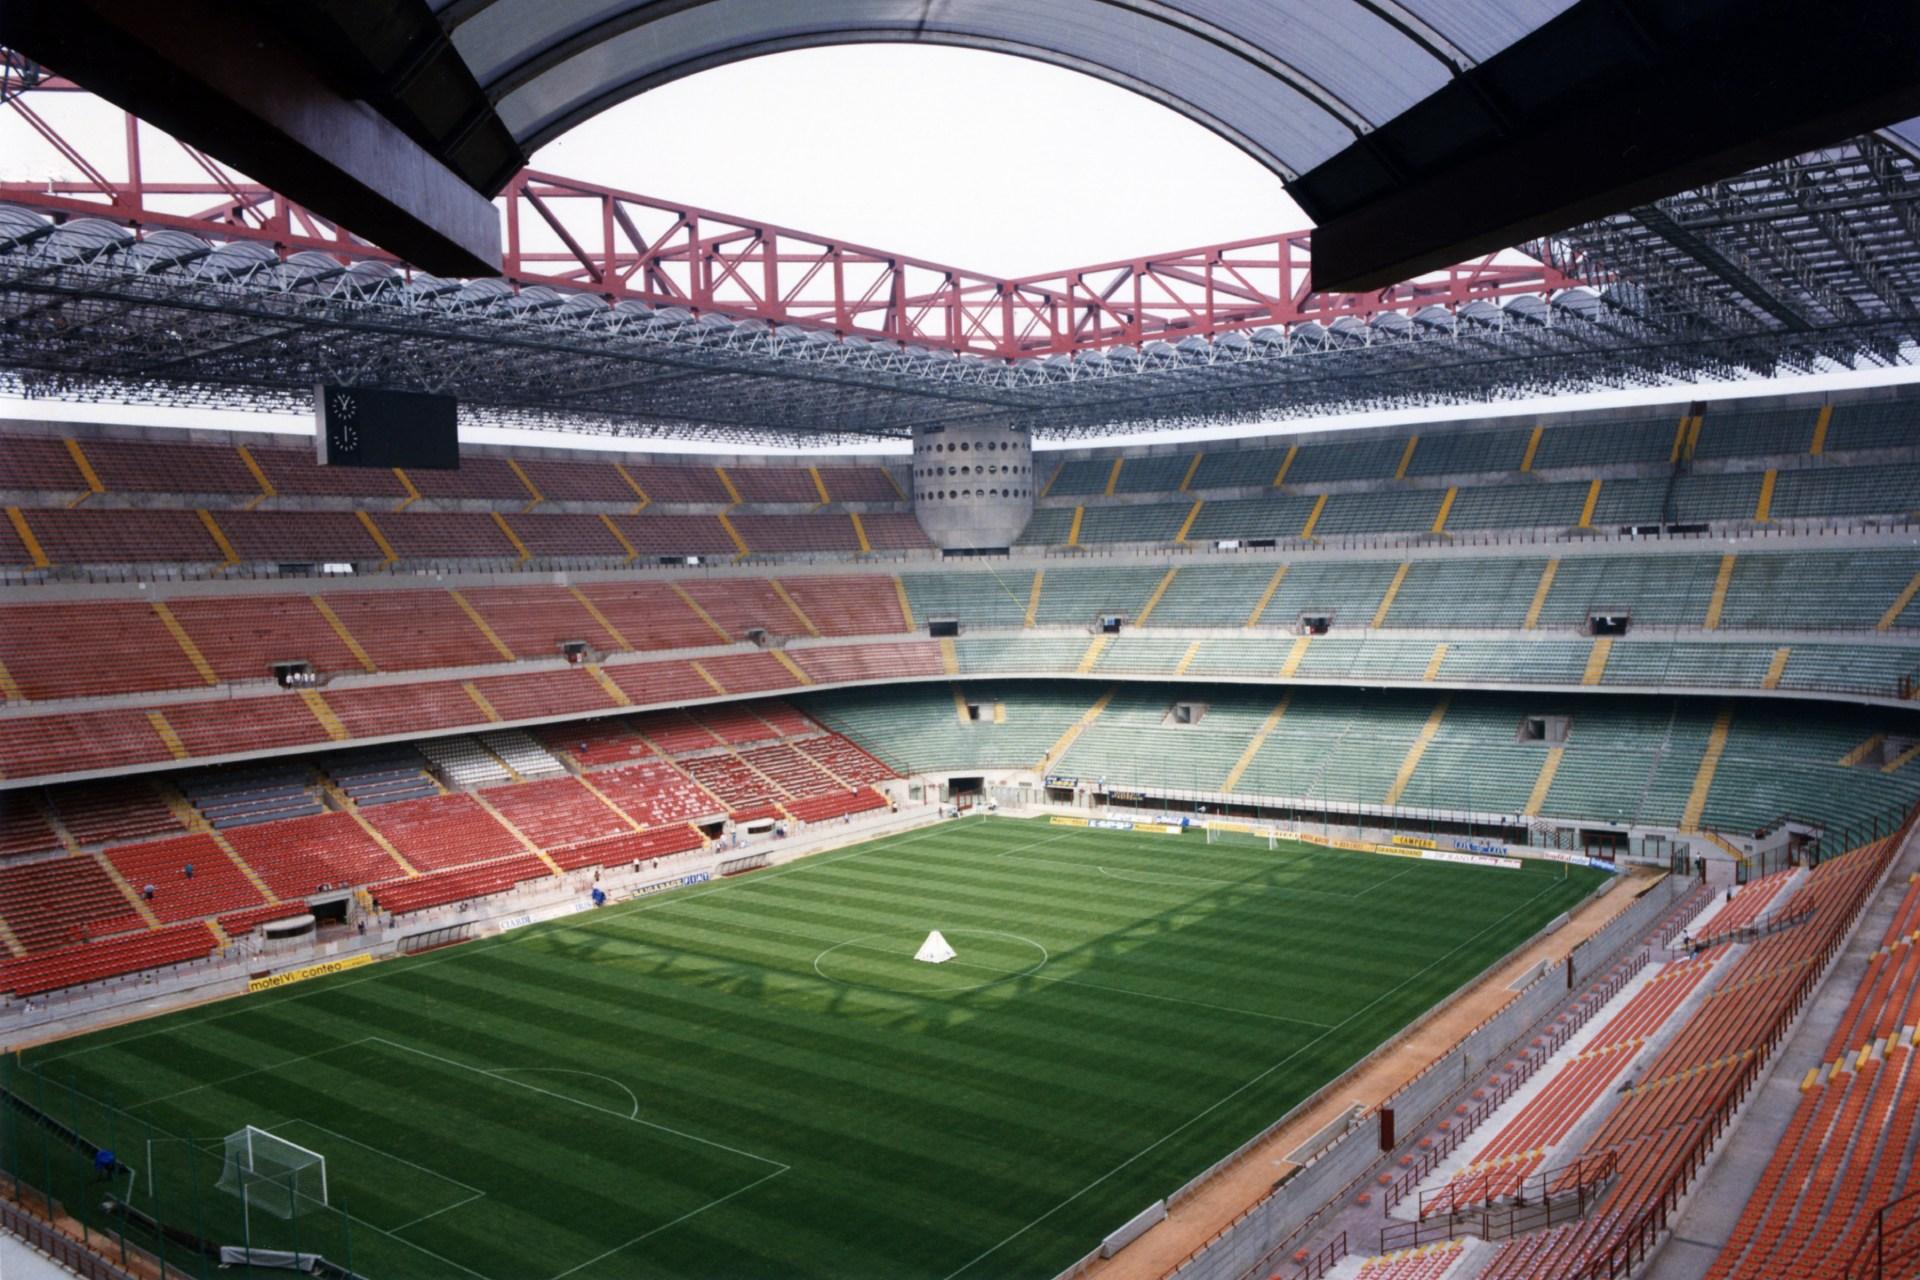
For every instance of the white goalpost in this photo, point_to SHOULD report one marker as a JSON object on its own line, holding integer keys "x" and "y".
{"x": 271, "y": 1174}
{"x": 1220, "y": 833}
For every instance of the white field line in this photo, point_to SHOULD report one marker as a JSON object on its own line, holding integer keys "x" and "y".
{"x": 691, "y": 1213}
{"x": 1190, "y": 1121}
{"x": 579, "y": 1102}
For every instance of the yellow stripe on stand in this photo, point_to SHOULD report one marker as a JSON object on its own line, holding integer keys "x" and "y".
{"x": 960, "y": 705}
{"x": 1113, "y": 476}
{"x": 1091, "y": 657}
{"x": 707, "y": 675}
{"x": 1540, "y": 594}
{"x": 1679, "y": 439}
{"x": 1899, "y": 605}
{"x": 480, "y": 799}
{"x": 1693, "y": 435}
{"x": 245, "y": 868}
{"x": 1597, "y": 660}
{"x": 619, "y": 537}
{"x": 1258, "y": 740}
{"x": 335, "y": 727}
{"x": 1294, "y": 656}
{"x": 218, "y": 535}
{"x": 1266, "y": 597}
{"x": 1709, "y": 764}
{"x": 1763, "y": 509}
{"x": 949, "y": 657}
{"x": 700, "y": 613}
{"x": 373, "y": 834}
{"x": 185, "y": 641}
{"x": 605, "y": 623}
{"x": 35, "y": 552}
{"x": 1776, "y": 668}
{"x": 1819, "y": 445}
{"x": 1193, "y": 469}
{"x": 519, "y": 547}
{"x": 732, "y": 532}
{"x": 819, "y": 485}
{"x": 1719, "y": 598}
{"x": 1418, "y": 749}
{"x": 906, "y": 607}
{"x": 786, "y": 598}
{"x": 473, "y": 616}
{"x": 1186, "y": 659}
{"x": 1537, "y": 798}
{"x": 1900, "y": 761}
{"x": 634, "y": 485}
{"x": 1393, "y": 589}
{"x": 860, "y": 533}
{"x": 1586, "y": 508}
{"x": 1047, "y": 488}
{"x": 1286, "y": 465}
{"x": 1533, "y": 447}
{"x": 726, "y": 482}
{"x": 379, "y": 538}
{"x": 1074, "y": 730}
{"x": 533, "y": 490}
{"x": 127, "y": 891}
{"x": 1313, "y": 517}
{"x": 1446, "y": 508}
{"x": 1433, "y": 663}
{"x": 87, "y": 473}
{"x": 480, "y": 701}
{"x": 1073, "y": 530}
{"x": 259, "y": 475}
{"x": 1033, "y": 596}
{"x": 606, "y": 800}
{"x": 1406, "y": 458}
{"x": 340, "y": 629}
{"x": 793, "y": 668}
{"x": 9, "y": 686}
{"x": 167, "y": 735}
{"x": 1186, "y": 526}
{"x": 605, "y": 681}
{"x": 1862, "y": 751}
{"x": 1146, "y": 610}
{"x": 406, "y": 482}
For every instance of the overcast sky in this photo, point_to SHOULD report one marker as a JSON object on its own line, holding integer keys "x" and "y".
{"x": 972, "y": 159}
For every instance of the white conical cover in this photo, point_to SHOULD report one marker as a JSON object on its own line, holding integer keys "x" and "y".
{"x": 934, "y": 950}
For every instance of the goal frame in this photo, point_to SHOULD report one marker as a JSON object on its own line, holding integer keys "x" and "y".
{"x": 246, "y": 1177}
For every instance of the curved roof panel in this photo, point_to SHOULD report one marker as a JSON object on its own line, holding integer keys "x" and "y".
{"x": 1291, "y": 83}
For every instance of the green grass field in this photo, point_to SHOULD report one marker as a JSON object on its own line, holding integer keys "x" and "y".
{"x": 754, "y": 1078}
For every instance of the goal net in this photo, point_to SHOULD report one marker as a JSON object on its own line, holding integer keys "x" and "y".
{"x": 1241, "y": 833}
{"x": 273, "y": 1175}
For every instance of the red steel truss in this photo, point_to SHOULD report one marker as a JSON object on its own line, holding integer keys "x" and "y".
{"x": 577, "y": 235}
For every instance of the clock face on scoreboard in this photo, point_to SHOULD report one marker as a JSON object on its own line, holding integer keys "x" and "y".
{"x": 342, "y": 410}
{"x": 378, "y": 427}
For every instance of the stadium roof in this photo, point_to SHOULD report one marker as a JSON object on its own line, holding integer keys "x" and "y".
{"x": 630, "y": 315}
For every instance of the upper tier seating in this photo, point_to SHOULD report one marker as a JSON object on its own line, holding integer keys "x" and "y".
{"x": 849, "y": 605}
{"x": 79, "y": 649}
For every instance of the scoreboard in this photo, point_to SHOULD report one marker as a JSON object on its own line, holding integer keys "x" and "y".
{"x": 373, "y": 427}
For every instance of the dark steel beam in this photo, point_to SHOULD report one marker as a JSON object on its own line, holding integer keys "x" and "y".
{"x": 230, "y": 79}
{"x": 1612, "y": 105}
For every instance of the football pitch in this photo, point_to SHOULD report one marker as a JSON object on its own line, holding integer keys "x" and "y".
{"x": 755, "y": 1078}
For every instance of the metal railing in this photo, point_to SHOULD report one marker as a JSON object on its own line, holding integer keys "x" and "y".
{"x": 1545, "y": 1199}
